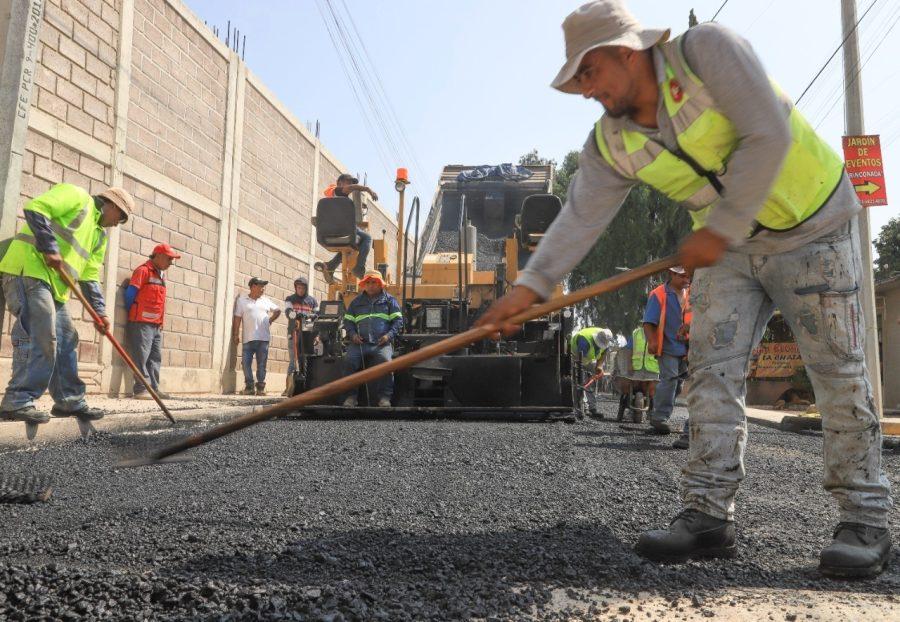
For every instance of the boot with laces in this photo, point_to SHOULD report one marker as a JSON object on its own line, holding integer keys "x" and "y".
{"x": 857, "y": 551}
{"x": 693, "y": 534}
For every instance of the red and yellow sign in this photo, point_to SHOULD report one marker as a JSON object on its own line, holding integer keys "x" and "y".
{"x": 775, "y": 360}
{"x": 862, "y": 155}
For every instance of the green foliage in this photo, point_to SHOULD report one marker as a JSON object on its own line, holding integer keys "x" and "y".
{"x": 647, "y": 227}
{"x": 887, "y": 245}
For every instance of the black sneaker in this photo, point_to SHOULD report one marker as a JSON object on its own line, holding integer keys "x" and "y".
{"x": 327, "y": 273}
{"x": 682, "y": 442}
{"x": 87, "y": 413}
{"x": 29, "y": 414}
{"x": 857, "y": 551}
{"x": 693, "y": 534}
{"x": 660, "y": 427}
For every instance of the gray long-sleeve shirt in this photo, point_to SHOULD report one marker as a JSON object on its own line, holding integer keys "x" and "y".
{"x": 741, "y": 89}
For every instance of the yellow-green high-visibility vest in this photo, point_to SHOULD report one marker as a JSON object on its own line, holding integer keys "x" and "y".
{"x": 640, "y": 357}
{"x": 588, "y": 333}
{"x": 706, "y": 139}
{"x": 75, "y": 222}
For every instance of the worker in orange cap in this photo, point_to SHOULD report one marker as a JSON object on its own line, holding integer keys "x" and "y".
{"x": 372, "y": 321}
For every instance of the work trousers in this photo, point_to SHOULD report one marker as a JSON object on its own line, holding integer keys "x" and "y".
{"x": 664, "y": 398}
{"x": 45, "y": 348}
{"x": 145, "y": 343}
{"x": 370, "y": 354}
{"x": 363, "y": 245}
{"x": 816, "y": 288}
{"x": 260, "y": 350}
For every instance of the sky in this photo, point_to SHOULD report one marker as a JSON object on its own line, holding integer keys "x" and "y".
{"x": 468, "y": 81}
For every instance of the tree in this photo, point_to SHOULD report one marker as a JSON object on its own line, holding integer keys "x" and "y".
{"x": 647, "y": 227}
{"x": 887, "y": 245}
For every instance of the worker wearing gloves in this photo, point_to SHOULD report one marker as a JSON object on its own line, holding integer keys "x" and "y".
{"x": 297, "y": 308}
{"x": 593, "y": 345}
{"x": 371, "y": 322}
{"x": 145, "y": 300}
{"x": 664, "y": 329}
{"x": 774, "y": 226}
{"x": 65, "y": 229}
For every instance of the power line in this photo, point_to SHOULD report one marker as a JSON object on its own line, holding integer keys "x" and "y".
{"x": 719, "y": 11}
{"x": 861, "y": 67}
{"x": 830, "y": 58}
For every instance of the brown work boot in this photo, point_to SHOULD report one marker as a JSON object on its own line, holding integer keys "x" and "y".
{"x": 260, "y": 388}
{"x": 327, "y": 273}
{"x": 251, "y": 390}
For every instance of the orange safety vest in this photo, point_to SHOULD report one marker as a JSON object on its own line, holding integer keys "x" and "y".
{"x": 150, "y": 304}
{"x": 686, "y": 314}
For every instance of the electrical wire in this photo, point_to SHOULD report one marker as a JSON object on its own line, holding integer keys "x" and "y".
{"x": 862, "y": 66}
{"x": 833, "y": 54}
{"x": 719, "y": 11}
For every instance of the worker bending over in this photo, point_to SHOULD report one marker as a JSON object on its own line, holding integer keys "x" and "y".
{"x": 371, "y": 322}
{"x": 593, "y": 345}
{"x": 344, "y": 186}
{"x": 65, "y": 229}
{"x": 774, "y": 226}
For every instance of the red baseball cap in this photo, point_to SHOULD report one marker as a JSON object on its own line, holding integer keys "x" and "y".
{"x": 165, "y": 249}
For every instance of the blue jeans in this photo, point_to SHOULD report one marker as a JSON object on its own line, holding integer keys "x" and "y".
{"x": 363, "y": 245}
{"x": 664, "y": 399}
{"x": 370, "y": 354}
{"x": 259, "y": 349}
{"x": 45, "y": 348}
{"x": 145, "y": 342}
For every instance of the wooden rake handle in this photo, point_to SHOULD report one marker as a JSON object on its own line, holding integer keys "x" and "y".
{"x": 450, "y": 344}
{"x": 99, "y": 323}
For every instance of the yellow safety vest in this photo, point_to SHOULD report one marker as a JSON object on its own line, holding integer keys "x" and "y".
{"x": 640, "y": 357}
{"x": 706, "y": 140}
{"x": 75, "y": 222}
{"x": 588, "y": 333}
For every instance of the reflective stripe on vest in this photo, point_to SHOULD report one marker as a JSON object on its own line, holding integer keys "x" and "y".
{"x": 588, "y": 333}
{"x": 706, "y": 140}
{"x": 356, "y": 319}
{"x": 640, "y": 356}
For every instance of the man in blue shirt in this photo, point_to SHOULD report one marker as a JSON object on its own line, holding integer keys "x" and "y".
{"x": 665, "y": 329}
{"x": 372, "y": 321}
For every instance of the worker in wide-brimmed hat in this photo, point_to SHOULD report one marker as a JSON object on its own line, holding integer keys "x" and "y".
{"x": 774, "y": 217}
{"x": 372, "y": 321}
{"x": 65, "y": 230}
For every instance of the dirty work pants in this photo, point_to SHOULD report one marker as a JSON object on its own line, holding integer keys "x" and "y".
{"x": 145, "y": 342}
{"x": 368, "y": 355}
{"x": 816, "y": 288}
{"x": 363, "y": 245}
{"x": 45, "y": 348}
{"x": 259, "y": 349}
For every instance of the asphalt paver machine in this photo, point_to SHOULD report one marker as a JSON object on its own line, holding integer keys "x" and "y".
{"x": 479, "y": 233}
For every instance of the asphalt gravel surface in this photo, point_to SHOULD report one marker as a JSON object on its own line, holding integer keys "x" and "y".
{"x": 399, "y": 520}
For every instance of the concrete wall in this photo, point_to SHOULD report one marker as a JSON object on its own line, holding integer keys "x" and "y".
{"x": 139, "y": 93}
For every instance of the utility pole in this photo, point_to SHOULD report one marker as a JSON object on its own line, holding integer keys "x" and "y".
{"x": 853, "y": 126}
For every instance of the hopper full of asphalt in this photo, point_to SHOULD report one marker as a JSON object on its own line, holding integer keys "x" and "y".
{"x": 396, "y": 520}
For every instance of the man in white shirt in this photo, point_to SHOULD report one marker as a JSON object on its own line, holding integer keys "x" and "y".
{"x": 255, "y": 313}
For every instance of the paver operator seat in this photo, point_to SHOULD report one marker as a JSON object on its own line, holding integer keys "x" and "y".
{"x": 532, "y": 222}
{"x": 336, "y": 223}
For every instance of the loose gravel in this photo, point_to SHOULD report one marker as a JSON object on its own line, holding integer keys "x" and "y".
{"x": 406, "y": 520}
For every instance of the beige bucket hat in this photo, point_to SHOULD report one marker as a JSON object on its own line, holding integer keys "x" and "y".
{"x": 599, "y": 24}
{"x": 121, "y": 199}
